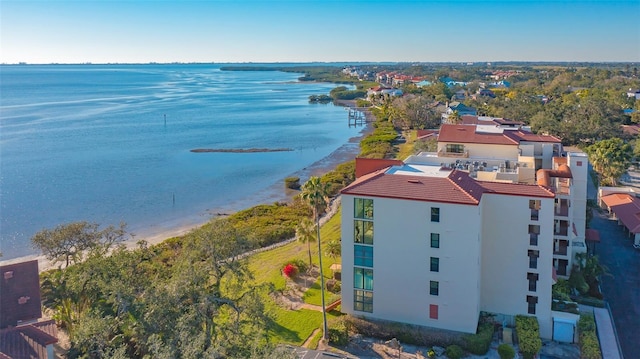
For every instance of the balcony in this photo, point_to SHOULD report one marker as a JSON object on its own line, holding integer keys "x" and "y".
{"x": 445, "y": 153}
{"x": 561, "y": 228}
{"x": 562, "y": 210}
{"x": 560, "y": 247}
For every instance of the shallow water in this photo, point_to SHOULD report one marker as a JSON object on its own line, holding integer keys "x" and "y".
{"x": 111, "y": 143}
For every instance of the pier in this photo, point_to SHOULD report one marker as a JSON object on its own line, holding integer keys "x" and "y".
{"x": 358, "y": 116}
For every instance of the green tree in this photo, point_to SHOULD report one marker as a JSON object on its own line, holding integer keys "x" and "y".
{"x": 610, "y": 159}
{"x": 334, "y": 248}
{"x": 305, "y": 233}
{"x": 314, "y": 193}
{"x": 71, "y": 243}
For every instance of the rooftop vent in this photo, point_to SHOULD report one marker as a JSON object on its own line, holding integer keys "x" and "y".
{"x": 413, "y": 181}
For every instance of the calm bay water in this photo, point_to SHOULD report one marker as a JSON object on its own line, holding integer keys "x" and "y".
{"x": 89, "y": 142}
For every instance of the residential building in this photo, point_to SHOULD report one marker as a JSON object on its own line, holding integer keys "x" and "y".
{"x": 486, "y": 223}
{"x": 22, "y": 333}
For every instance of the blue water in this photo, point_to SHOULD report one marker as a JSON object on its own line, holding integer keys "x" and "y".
{"x": 89, "y": 142}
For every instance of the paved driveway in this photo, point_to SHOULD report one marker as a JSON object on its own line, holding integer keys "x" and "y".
{"x": 622, "y": 291}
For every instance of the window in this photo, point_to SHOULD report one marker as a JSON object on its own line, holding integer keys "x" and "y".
{"x": 531, "y": 304}
{"x": 533, "y": 259}
{"x": 534, "y": 205}
{"x": 435, "y": 240}
{"x": 434, "y": 287}
{"x": 363, "y": 208}
{"x": 454, "y": 148}
{"x": 435, "y": 264}
{"x": 435, "y": 214}
{"x": 363, "y": 278}
{"x": 534, "y": 231}
{"x": 363, "y": 232}
{"x": 433, "y": 311}
{"x": 363, "y": 301}
{"x": 579, "y": 163}
{"x": 363, "y": 256}
{"x": 533, "y": 280}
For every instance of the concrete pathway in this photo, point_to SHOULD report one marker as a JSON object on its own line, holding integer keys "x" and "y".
{"x": 606, "y": 334}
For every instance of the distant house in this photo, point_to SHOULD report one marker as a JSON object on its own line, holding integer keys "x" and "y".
{"x": 21, "y": 334}
{"x": 460, "y": 109}
{"x": 500, "y": 84}
{"x": 459, "y": 95}
{"x": 634, "y": 93}
{"x": 484, "y": 93}
{"x": 424, "y": 83}
{"x": 381, "y": 90}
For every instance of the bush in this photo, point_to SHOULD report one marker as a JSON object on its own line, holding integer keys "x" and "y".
{"x": 594, "y": 302}
{"x": 480, "y": 342}
{"x": 338, "y": 332}
{"x": 292, "y": 182}
{"x": 333, "y": 286}
{"x": 290, "y": 271}
{"x": 301, "y": 265}
{"x": 589, "y": 345}
{"x": 528, "y": 332}
{"x": 454, "y": 352}
{"x": 506, "y": 351}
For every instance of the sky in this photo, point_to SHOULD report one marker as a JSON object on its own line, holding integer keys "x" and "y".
{"x": 141, "y": 31}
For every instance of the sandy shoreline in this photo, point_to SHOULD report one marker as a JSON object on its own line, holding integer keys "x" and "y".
{"x": 161, "y": 232}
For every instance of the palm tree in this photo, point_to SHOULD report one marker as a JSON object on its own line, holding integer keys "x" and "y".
{"x": 305, "y": 234}
{"x": 314, "y": 193}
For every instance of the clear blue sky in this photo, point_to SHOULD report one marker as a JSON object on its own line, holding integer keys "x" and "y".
{"x": 328, "y": 30}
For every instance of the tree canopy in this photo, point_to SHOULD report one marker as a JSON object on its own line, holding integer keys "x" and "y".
{"x": 610, "y": 159}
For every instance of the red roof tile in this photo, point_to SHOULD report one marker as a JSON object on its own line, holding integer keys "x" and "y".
{"x": 457, "y": 188}
{"x": 468, "y": 134}
{"x": 368, "y": 165}
{"x": 626, "y": 208}
{"x": 592, "y": 235}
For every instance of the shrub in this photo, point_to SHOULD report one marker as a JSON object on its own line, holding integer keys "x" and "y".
{"x": 589, "y": 345}
{"x": 594, "y": 302}
{"x": 454, "y": 352}
{"x": 292, "y": 182}
{"x": 301, "y": 265}
{"x": 333, "y": 286}
{"x": 506, "y": 351}
{"x": 338, "y": 332}
{"x": 290, "y": 271}
{"x": 479, "y": 343}
{"x": 528, "y": 333}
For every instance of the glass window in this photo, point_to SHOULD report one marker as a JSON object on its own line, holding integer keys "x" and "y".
{"x": 434, "y": 287}
{"x": 531, "y": 304}
{"x": 363, "y": 208}
{"x": 435, "y": 240}
{"x": 433, "y": 311}
{"x": 435, "y": 264}
{"x": 533, "y": 259}
{"x": 363, "y": 256}
{"x": 363, "y": 301}
{"x": 363, "y": 278}
{"x": 435, "y": 214}
{"x": 534, "y": 231}
{"x": 533, "y": 280}
{"x": 534, "y": 205}
{"x": 454, "y": 148}
{"x": 363, "y": 232}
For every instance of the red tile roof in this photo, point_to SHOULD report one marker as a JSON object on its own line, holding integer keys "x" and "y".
{"x": 19, "y": 293}
{"x": 627, "y": 208}
{"x": 592, "y": 235}
{"x": 468, "y": 134}
{"x": 28, "y": 341}
{"x": 456, "y": 188}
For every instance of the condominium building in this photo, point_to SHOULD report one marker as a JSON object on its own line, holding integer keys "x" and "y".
{"x": 438, "y": 238}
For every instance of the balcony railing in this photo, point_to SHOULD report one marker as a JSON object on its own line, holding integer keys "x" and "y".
{"x": 444, "y": 153}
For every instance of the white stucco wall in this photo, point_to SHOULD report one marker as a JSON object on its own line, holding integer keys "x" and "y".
{"x": 505, "y": 260}
{"x": 402, "y": 251}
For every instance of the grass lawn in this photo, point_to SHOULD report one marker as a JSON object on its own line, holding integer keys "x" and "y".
{"x": 406, "y": 149}
{"x": 294, "y": 326}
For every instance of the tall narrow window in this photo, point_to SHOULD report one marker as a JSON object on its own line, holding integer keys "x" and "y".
{"x": 533, "y": 259}
{"x": 435, "y": 240}
{"x": 363, "y": 231}
{"x": 534, "y": 205}
{"x": 533, "y": 280}
{"x": 363, "y": 208}
{"x": 531, "y": 304}
{"x": 363, "y": 278}
{"x": 433, "y": 311}
{"x": 534, "y": 232}
{"x": 363, "y": 301}
{"x": 434, "y": 287}
{"x": 363, "y": 256}
{"x": 435, "y": 264}
{"x": 435, "y": 214}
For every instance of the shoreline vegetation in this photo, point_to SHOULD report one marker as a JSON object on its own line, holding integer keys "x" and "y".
{"x": 240, "y": 150}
